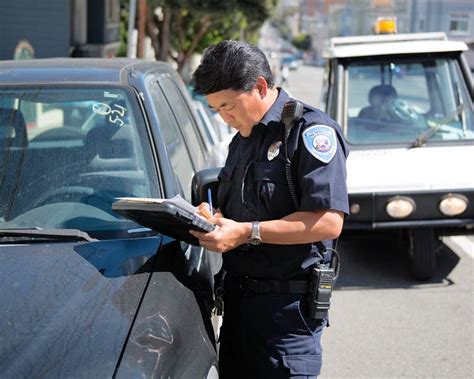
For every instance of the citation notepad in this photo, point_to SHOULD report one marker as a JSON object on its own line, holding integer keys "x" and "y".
{"x": 173, "y": 217}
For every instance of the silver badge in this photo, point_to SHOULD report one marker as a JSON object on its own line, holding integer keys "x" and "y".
{"x": 274, "y": 150}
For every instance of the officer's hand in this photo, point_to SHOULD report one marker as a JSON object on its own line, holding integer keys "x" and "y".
{"x": 204, "y": 211}
{"x": 227, "y": 235}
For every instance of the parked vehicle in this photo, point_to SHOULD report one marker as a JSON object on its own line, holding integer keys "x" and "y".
{"x": 291, "y": 61}
{"x": 216, "y": 132}
{"x": 85, "y": 292}
{"x": 405, "y": 103}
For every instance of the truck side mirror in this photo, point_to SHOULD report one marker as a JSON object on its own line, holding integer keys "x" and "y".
{"x": 202, "y": 181}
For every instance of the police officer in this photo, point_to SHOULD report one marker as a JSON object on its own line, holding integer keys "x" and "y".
{"x": 270, "y": 244}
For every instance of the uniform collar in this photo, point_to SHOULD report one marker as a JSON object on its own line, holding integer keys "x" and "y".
{"x": 274, "y": 113}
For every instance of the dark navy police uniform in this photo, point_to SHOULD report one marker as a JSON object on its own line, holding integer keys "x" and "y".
{"x": 267, "y": 335}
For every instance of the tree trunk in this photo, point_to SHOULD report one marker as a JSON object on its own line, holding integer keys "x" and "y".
{"x": 142, "y": 8}
{"x": 178, "y": 23}
{"x": 185, "y": 55}
{"x": 152, "y": 31}
{"x": 165, "y": 35}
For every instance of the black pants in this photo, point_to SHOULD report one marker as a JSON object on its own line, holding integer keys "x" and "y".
{"x": 267, "y": 336}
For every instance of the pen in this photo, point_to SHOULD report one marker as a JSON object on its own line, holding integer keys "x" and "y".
{"x": 209, "y": 200}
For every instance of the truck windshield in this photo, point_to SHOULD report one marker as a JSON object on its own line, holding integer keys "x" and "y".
{"x": 397, "y": 100}
{"x": 67, "y": 153}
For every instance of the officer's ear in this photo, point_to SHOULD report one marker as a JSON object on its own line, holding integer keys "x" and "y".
{"x": 261, "y": 87}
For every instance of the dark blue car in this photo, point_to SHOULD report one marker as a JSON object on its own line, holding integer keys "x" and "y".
{"x": 85, "y": 292}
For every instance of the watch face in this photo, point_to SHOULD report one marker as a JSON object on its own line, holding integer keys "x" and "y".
{"x": 255, "y": 238}
{"x": 255, "y": 241}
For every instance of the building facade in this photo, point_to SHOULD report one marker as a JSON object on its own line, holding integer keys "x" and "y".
{"x": 323, "y": 19}
{"x": 454, "y": 17}
{"x": 59, "y": 28}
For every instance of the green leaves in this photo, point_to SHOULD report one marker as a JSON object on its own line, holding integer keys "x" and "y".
{"x": 189, "y": 26}
{"x": 302, "y": 41}
{"x": 180, "y": 28}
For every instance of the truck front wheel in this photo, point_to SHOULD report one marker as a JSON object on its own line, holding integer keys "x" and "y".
{"x": 422, "y": 253}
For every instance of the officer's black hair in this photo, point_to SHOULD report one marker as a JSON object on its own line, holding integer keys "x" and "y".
{"x": 231, "y": 65}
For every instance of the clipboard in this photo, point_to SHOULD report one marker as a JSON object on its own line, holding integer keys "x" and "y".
{"x": 164, "y": 217}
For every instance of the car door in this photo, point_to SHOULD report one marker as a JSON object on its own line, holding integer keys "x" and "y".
{"x": 199, "y": 262}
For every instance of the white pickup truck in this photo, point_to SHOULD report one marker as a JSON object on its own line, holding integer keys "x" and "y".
{"x": 405, "y": 103}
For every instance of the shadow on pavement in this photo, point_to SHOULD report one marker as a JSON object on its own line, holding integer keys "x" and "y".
{"x": 376, "y": 262}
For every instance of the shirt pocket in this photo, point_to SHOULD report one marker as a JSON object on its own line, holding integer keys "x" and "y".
{"x": 274, "y": 197}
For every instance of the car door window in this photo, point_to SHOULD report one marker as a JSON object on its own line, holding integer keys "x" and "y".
{"x": 185, "y": 122}
{"x": 174, "y": 141}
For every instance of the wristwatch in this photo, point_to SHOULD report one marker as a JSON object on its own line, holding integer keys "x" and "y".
{"x": 254, "y": 238}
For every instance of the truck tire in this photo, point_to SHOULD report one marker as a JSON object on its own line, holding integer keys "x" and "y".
{"x": 422, "y": 253}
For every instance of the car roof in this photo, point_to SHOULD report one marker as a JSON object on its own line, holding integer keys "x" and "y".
{"x": 410, "y": 43}
{"x": 76, "y": 70}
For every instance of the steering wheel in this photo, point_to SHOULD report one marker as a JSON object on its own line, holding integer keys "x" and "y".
{"x": 399, "y": 110}
{"x": 76, "y": 194}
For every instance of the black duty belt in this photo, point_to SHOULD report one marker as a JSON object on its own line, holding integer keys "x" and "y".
{"x": 271, "y": 286}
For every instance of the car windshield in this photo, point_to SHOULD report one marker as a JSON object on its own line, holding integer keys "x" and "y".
{"x": 407, "y": 101}
{"x": 67, "y": 153}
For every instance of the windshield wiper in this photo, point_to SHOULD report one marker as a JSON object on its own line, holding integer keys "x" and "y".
{"x": 425, "y": 136}
{"x": 435, "y": 125}
{"x": 11, "y": 235}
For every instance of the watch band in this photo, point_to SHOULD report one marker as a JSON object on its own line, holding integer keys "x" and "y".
{"x": 255, "y": 238}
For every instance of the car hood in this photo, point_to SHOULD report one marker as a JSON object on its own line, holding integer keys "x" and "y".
{"x": 416, "y": 169}
{"x": 67, "y": 308}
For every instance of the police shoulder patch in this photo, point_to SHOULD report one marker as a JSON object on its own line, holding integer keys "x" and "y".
{"x": 321, "y": 142}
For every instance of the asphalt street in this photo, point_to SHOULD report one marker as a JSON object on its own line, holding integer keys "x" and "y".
{"x": 383, "y": 323}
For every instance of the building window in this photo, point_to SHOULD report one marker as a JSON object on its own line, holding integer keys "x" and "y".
{"x": 459, "y": 24}
{"x": 422, "y": 25}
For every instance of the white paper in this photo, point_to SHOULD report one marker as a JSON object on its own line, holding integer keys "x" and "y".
{"x": 177, "y": 201}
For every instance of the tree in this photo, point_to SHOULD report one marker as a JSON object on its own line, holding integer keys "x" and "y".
{"x": 179, "y": 28}
{"x": 302, "y": 41}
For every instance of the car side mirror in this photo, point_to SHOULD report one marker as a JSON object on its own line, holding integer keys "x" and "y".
{"x": 202, "y": 181}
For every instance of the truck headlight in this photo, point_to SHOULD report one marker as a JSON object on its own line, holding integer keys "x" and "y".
{"x": 400, "y": 207}
{"x": 354, "y": 209}
{"x": 453, "y": 204}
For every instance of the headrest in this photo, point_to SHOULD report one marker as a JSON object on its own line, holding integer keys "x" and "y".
{"x": 110, "y": 141}
{"x": 12, "y": 128}
{"x": 379, "y": 94}
{"x": 7, "y": 132}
